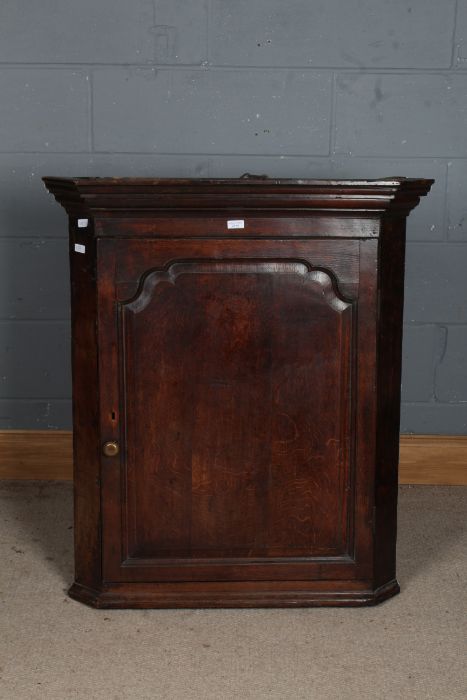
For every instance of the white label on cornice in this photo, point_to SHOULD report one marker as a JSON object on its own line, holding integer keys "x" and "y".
{"x": 236, "y": 223}
{"x": 82, "y": 223}
{"x": 80, "y": 248}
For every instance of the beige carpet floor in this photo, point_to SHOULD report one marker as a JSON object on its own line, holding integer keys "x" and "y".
{"x": 410, "y": 647}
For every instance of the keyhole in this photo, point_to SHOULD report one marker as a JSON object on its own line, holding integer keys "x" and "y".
{"x": 113, "y": 415}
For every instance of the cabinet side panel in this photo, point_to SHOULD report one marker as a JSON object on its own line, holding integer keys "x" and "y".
{"x": 86, "y": 476}
{"x": 391, "y": 298}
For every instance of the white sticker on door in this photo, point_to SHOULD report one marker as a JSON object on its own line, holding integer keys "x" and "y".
{"x": 236, "y": 223}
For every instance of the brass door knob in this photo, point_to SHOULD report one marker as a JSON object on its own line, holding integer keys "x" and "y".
{"x": 110, "y": 449}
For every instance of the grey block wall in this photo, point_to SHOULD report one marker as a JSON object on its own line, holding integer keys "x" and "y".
{"x": 315, "y": 88}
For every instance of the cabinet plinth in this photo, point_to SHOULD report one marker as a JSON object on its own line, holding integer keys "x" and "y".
{"x": 236, "y": 389}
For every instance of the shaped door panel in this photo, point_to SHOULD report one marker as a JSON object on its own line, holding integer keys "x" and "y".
{"x": 232, "y": 385}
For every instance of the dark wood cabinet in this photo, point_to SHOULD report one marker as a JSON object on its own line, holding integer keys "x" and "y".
{"x": 236, "y": 377}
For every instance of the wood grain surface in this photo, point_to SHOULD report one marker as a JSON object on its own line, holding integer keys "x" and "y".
{"x": 48, "y": 454}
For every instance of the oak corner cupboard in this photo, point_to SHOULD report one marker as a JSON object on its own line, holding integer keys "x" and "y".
{"x": 236, "y": 381}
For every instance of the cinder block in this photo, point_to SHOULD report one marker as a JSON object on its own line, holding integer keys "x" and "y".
{"x": 451, "y": 372}
{"x": 107, "y": 31}
{"x": 34, "y": 278}
{"x": 148, "y": 165}
{"x": 258, "y": 112}
{"x": 436, "y": 283}
{"x": 27, "y": 209}
{"x": 434, "y": 418}
{"x": 460, "y": 40}
{"x": 43, "y": 109}
{"x": 426, "y": 222}
{"x": 457, "y": 200}
{"x": 272, "y": 166}
{"x": 354, "y": 33}
{"x": 30, "y": 414}
{"x": 419, "y": 351}
{"x": 35, "y": 360}
{"x": 180, "y": 31}
{"x": 401, "y": 115}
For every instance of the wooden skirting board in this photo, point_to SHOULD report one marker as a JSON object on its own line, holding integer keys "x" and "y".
{"x": 36, "y": 454}
{"x": 47, "y": 454}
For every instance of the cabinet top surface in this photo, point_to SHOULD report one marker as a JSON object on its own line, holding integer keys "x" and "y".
{"x": 103, "y": 196}
{"x": 243, "y": 181}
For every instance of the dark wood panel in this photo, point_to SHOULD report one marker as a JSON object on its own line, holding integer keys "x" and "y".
{"x": 365, "y": 420}
{"x": 233, "y": 449}
{"x": 86, "y": 458}
{"x": 340, "y": 258}
{"x": 254, "y": 226}
{"x": 389, "y": 353}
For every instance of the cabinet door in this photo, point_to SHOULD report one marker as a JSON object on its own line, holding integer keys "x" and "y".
{"x": 237, "y": 377}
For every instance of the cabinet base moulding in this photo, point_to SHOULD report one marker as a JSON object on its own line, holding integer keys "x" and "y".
{"x": 247, "y": 594}
{"x": 47, "y": 455}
